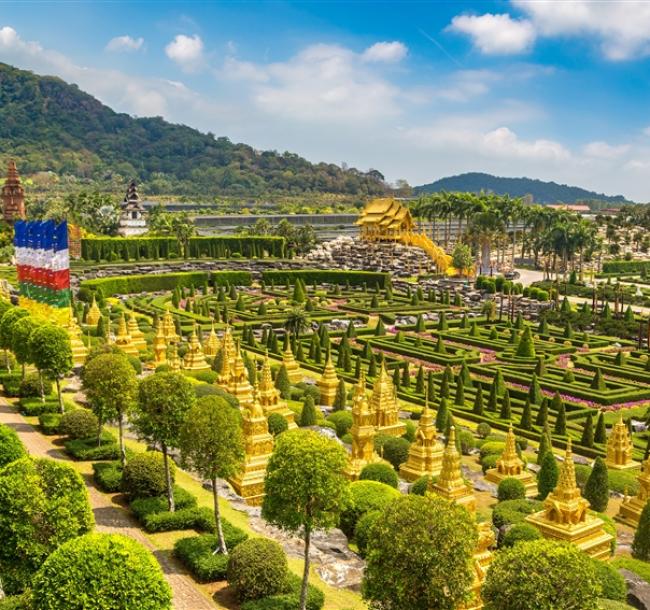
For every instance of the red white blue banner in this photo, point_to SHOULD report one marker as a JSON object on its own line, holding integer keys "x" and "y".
{"x": 43, "y": 261}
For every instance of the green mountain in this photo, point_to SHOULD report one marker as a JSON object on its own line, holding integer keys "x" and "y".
{"x": 49, "y": 125}
{"x": 542, "y": 192}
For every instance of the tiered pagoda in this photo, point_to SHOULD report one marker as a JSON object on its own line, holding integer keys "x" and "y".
{"x": 238, "y": 384}
{"x": 328, "y": 383}
{"x": 168, "y": 327}
{"x": 137, "y": 336}
{"x": 384, "y": 220}
{"x": 290, "y": 364}
{"x": 450, "y": 484}
{"x": 123, "y": 339}
{"x": 194, "y": 359}
{"x": 225, "y": 371}
{"x": 79, "y": 350}
{"x": 132, "y": 213}
{"x": 619, "y": 447}
{"x": 159, "y": 346}
{"x": 13, "y": 196}
{"x": 212, "y": 344}
{"x": 566, "y": 515}
{"x": 630, "y": 511}
{"x": 384, "y": 406}
{"x": 269, "y": 396}
{"x": 94, "y": 313}
{"x": 173, "y": 359}
{"x": 511, "y": 466}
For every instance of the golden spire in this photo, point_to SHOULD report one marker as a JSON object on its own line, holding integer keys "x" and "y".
{"x": 212, "y": 344}
{"x": 328, "y": 383}
{"x": 290, "y": 364}
{"x": 631, "y": 508}
{"x": 173, "y": 359}
{"x": 567, "y": 489}
{"x": 194, "y": 359}
{"x": 620, "y": 447}
{"x": 94, "y": 313}
{"x": 159, "y": 346}
{"x": 137, "y": 336}
{"x": 269, "y": 396}
{"x": 450, "y": 483}
{"x": 383, "y": 403}
{"x": 510, "y": 465}
{"x": 123, "y": 339}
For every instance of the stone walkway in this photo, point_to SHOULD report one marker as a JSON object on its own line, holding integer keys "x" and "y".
{"x": 111, "y": 518}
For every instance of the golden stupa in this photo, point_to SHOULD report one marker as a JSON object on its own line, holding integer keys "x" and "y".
{"x": 362, "y": 431}
{"x": 425, "y": 453}
{"x": 630, "y": 511}
{"x": 511, "y": 466}
{"x": 269, "y": 396}
{"x": 450, "y": 483}
{"x": 123, "y": 339}
{"x": 328, "y": 383}
{"x": 168, "y": 326}
{"x": 239, "y": 385}
{"x": 137, "y": 336}
{"x": 258, "y": 446}
{"x": 94, "y": 313}
{"x": 212, "y": 344}
{"x": 173, "y": 359}
{"x": 79, "y": 349}
{"x": 290, "y": 364}
{"x": 228, "y": 348}
{"x": 566, "y": 515}
{"x": 384, "y": 405}
{"x": 619, "y": 447}
{"x": 194, "y": 359}
{"x": 481, "y": 561}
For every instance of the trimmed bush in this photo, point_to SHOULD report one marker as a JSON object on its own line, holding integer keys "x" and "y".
{"x": 257, "y": 568}
{"x": 11, "y": 447}
{"x": 492, "y": 448}
{"x": 144, "y": 475}
{"x": 80, "y": 423}
{"x": 467, "y": 442}
{"x": 519, "y": 532}
{"x": 611, "y": 581}
{"x": 512, "y": 512}
{"x": 511, "y": 489}
{"x": 379, "y": 472}
{"x": 289, "y": 600}
{"x": 142, "y": 507}
{"x": 103, "y": 568}
{"x": 86, "y": 449}
{"x": 366, "y": 496}
{"x": 396, "y": 451}
{"x": 362, "y": 530}
{"x": 108, "y": 476}
{"x": 33, "y": 407}
{"x": 342, "y": 420}
{"x": 30, "y": 387}
{"x": 49, "y": 423}
{"x": 277, "y": 424}
{"x": 489, "y": 461}
{"x": 421, "y": 486}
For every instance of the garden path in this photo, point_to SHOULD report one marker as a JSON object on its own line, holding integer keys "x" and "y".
{"x": 110, "y": 518}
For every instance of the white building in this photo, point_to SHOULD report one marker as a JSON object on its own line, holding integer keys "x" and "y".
{"x": 132, "y": 214}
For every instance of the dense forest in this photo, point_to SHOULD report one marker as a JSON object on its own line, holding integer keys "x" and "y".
{"x": 542, "y": 192}
{"x": 48, "y": 125}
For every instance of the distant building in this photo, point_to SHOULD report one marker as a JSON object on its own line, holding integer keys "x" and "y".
{"x": 578, "y": 209}
{"x": 13, "y": 196}
{"x": 132, "y": 214}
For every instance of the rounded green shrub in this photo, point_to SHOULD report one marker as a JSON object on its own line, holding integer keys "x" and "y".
{"x": 144, "y": 475}
{"x": 511, "y": 489}
{"x": 467, "y": 442}
{"x": 11, "y": 448}
{"x": 519, "y": 532}
{"x": 396, "y": 451}
{"x": 421, "y": 486}
{"x": 363, "y": 528}
{"x": 379, "y": 472}
{"x": 31, "y": 386}
{"x": 492, "y": 448}
{"x": 79, "y": 423}
{"x": 511, "y": 512}
{"x": 366, "y": 496}
{"x": 257, "y": 568}
{"x": 483, "y": 429}
{"x": 489, "y": 461}
{"x": 342, "y": 421}
{"x": 277, "y": 424}
{"x": 611, "y": 581}
{"x": 102, "y": 571}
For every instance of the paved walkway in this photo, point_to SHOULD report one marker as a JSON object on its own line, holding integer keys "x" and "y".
{"x": 111, "y": 518}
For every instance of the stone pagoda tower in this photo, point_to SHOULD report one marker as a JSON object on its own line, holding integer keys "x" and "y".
{"x": 328, "y": 383}
{"x": 425, "y": 453}
{"x": 450, "y": 484}
{"x": 511, "y": 466}
{"x": 566, "y": 515}
{"x": 383, "y": 404}
{"x": 258, "y": 446}
{"x": 362, "y": 431}
{"x": 630, "y": 511}
{"x": 194, "y": 359}
{"x": 132, "y": 214}
{"x": 13, "y": 196}
{"x": 269, "y": 396}
{"x": 619, "y": 447}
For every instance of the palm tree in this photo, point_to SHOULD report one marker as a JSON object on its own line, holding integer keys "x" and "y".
{"x": 296, "y": 321}
{"x": 484, "y": 228}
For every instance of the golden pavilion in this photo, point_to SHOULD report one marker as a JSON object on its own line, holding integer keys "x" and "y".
{"x": 384, "y": 405}
{"x": 630, "y": 511}
{"x": 619, "y": 447}
{"x": 511, "y": 466}
{"x": 384, "y": 220}
{"x": 566, "y": 515}
{"x": 137, "y": 336}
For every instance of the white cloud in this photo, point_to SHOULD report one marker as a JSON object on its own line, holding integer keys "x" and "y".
{"x": 186, "y": 51}
{"x": 602, "y": 150}
{"x": 234, "y": 69}
{"x": 388, "y": 52}
{"x": 495, "y": 34}
{"x": 124, "y": 44}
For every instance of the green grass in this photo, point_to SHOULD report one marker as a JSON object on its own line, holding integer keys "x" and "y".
{"x": 640, "y": 568}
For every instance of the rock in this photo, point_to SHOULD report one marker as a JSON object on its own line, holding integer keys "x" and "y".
{"x": 638, "y": 590}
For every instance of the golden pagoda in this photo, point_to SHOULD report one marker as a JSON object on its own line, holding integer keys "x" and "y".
{"x": 566, "y": 515}
{"x": 226, "y": 370}
{"x": 123, "y": 339}
{"x": 630, "y": 511}
{"x": 212, "y": 344}
{"x": 293, "y": 368}
{"x": 362, "y": 431}
{"x": 328, "y": 383}
{"x": 619, "y": 447}
{"x": 511, "y": 466}
{"x": 168, "y": 326}
{"x": 137, "y": 336}
{"x": 269, "y": 396}
{"x": 79, "y": 349}
{"x": 258, "y": 446}
{"x": 384, "y": 406}
{"x": 159, "y": 347}
{"x": 194, "y": 359}
{"x": 450, "y": 484}
{"x": 239, "y": 384}
{"x": 384, "y": 220}
{"x": 94, "y": 313}
{"x": 425, "y": 453}
{"x": 481, "y": 561}
{"x": 173, "y": 359}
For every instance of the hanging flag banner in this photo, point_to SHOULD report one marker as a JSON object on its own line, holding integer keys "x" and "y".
{"x": 43, "y": 262}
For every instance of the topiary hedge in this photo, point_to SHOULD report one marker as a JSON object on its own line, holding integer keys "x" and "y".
{"x": 108, "y": 476}
{"x": 512, "y": 512}
{"x": 380, "y": 472}
{"x": 257, "y": 568}
{"x": 363, "y": 529}
{"x": 144, "y": 475}
{"x": 86, "y": 449}
{"x": 323, "y": 276}
{"x": 366, "y": 496}
{"x": 11, "y": 447}
{"x": 511, "y": 489}
{"x": 80, "y": 423}
{"x": 290, "y": 599}
{"x": 49, "y": 423}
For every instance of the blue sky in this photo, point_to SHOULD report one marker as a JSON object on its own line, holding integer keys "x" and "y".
{"x": 552, "y": 89}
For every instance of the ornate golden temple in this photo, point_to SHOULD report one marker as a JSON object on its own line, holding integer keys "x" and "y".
{"x": 619, "y": 447}
{"x": 631, "y": 508}
{"x": 511, "y": 466}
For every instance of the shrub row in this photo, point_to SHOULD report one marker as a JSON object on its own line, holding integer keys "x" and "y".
{"x": 371, "y": 279}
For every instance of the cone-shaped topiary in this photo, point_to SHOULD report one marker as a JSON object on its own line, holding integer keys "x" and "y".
{"x": 340, "y": 397}
{"x": 597, "y": 486}
{"x": 569, "y": 377}
{"x": 282, "y": 382}
{"x": 465, "y": 374}
{"x": 560, "y": 421}
{"x": 548, "y": 475}
{"x": 542, "y": 414}
{"x": 587, "y": 439}
{"x": 540, "y": 367}
{"x": 380, "y": 329}
{"x": 442, "y": 322}
{"x": 440, "y": 346}
{"x": 526, "y": 347}
{"x": 431, "y": 386}
{"x": 308, "y": 414}
{"x": 500, "y": 383}
{"x": 442, "y": 415}
{"x": 459, "y": 398}
{"x": 526, "y": 422}
{"x": 478, "y": 400}
{"x": 600, "y": 435}
{"x": 641, "y": 543}
{"x": 419, "y": 325}
{"x": 544, "y": 445}
{"x": 419, "y": 381}
{"x": 598, "y": 383}
{"x": 542, "y": 329}
{"x": 506, "y": 412}
{"x": 493, "y": 399}
{"x": 535, "y": 391}
{"x": 406, "y": 375}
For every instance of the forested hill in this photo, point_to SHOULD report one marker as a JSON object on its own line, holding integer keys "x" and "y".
{"x": 49, "y": 125}
{"x": 542, "y": 192}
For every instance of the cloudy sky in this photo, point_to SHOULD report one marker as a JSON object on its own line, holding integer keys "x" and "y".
{"x": 557, "y": 90}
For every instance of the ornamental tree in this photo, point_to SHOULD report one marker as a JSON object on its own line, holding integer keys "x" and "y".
{"x": 11, "y": 448}
{"x": 9, "y": 316}
{"x": 548, "y": 475}
{"x": 52, "y": 354}
{"x": 164, "y": 399}
{"x": 212, "y": 444}
{"x": 102, "y": 571}
{"x": 21, "y": 331}
{"x": 641, "y": 543}
{"x": 541, "y": 575}
{"x": 305, "y": 488}
{"x": 43, "y": 503}
{"x": 597, "y": 486}
{"x": 418, "y": 555}
{"x": 111, "y": 386}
